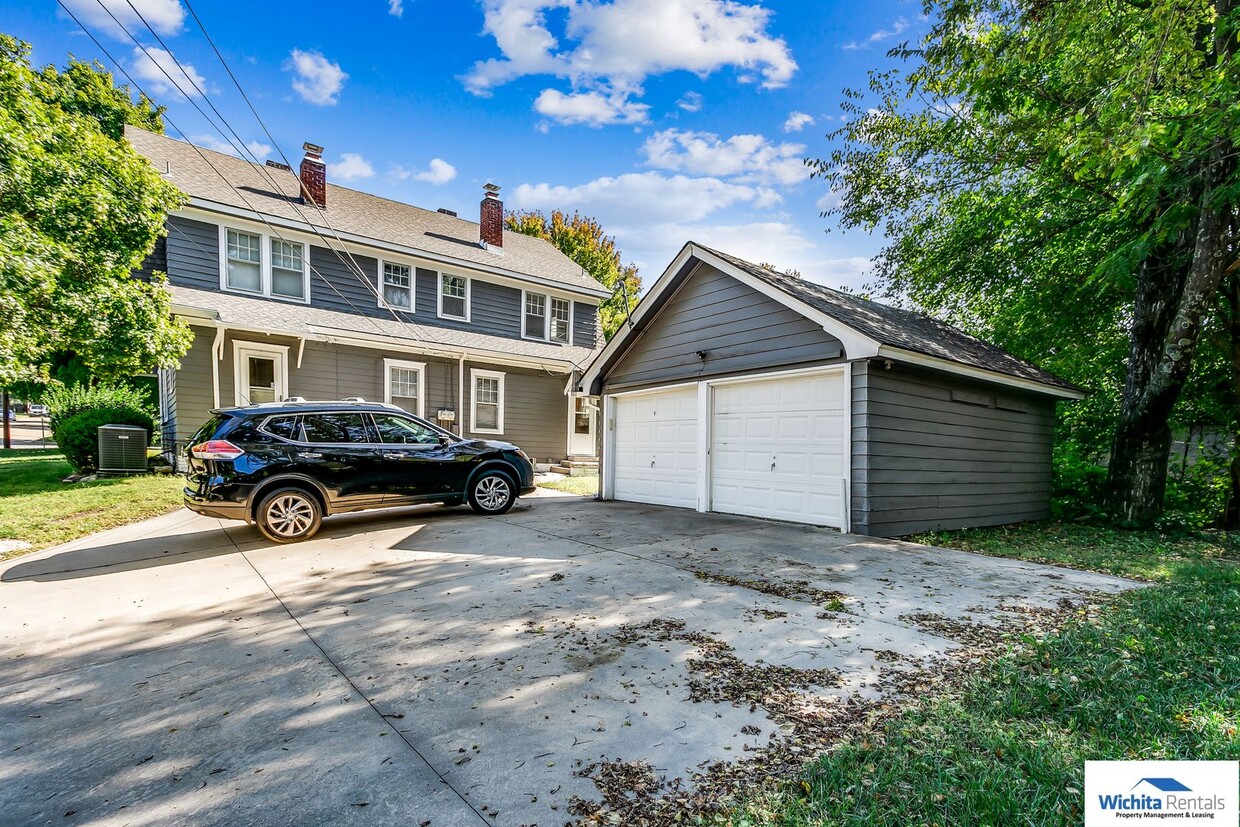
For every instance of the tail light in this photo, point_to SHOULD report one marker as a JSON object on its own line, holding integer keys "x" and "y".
{"x": 215, "y": 449}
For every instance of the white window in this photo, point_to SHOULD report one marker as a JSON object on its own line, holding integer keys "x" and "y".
{"x": 244, "y": 262}
{"x": 404, "y": 385}
{"x": 396, "y": 286}
{"x": 486, "y": 414}
{"x": 260, "y": 372}
{"x": 561, "y": 321}
{"x": 263, "y": 265}
{"x": 288, "y": 269}
{"x": 534, "y": 325}
{"x": 453, "y": 297}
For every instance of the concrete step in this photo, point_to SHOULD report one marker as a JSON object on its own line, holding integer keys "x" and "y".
{"x": 575, "y": 470}
{"x": 582, "y": 458}
{"x": 580, "y": 463}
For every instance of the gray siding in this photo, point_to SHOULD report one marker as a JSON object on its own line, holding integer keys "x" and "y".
{"x": 193, "y": 385}
{"x": 933, "y": 452}
{"x": 738, "y": 329}
{"x": 535, "y": 411}
{"x": 586, "y": 328}
{"x": 193, "y": 253}
{"x": 334, "y": 283}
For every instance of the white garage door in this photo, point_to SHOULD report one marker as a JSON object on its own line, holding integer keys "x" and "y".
{"x": 656, "y": 447}
{"x": 779, "y": 448}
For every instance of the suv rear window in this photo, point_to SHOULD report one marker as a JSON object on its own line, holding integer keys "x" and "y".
{"x": 334, "y": 428}
{"x": 208, "y": 429}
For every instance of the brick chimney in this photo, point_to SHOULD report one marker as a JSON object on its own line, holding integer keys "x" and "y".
{"x": 491, "y": 224}
{"x": 313, "y": 175}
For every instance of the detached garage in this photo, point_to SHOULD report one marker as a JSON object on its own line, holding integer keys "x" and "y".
{"x": 745, "y": 391}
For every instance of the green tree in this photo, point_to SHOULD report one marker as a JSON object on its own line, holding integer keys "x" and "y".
{"x": 79, "y": 212}
{"x": 582, "y": 239}
{"x": 1061, "y": 176}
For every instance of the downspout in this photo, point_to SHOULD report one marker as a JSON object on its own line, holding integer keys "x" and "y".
{"x": 460, "y": 396}
{"x": 217, "y": 355}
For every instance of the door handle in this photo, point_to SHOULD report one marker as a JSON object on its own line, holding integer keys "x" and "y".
{"x": 394, "y": 456}
{"x": 309, "y": 455}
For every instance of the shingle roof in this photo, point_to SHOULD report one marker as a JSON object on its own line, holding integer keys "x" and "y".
{"x": 303, "y": 320}
{"x": 248, "y": 186}
{"x": 898, "y": 328}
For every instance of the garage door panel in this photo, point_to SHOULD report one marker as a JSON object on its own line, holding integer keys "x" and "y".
{"x": 656, "y": 448}
{"x": 779, "y": 449}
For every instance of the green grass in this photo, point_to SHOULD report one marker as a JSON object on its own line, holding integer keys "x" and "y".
{"x": 585, "y": 486}
{"x": 36, "y": 507}
{"x": 1157, "y": 676}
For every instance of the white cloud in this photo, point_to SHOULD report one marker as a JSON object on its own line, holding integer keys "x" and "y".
{"x": 318, "y": 80}
{"x": 747, "y": 158}
{"x": 690, "y": 102}
{"x": 643, "y": 199}
{"x": 438, "y": 172}
{"x": 610, "y": 48}
{"x": 396, "y": 8}
{"x": 159, "y": 73}
{"x": 351, "y": 166}
{"x": 897, "y": 28}
{"x": 167, "y": 17}
{"x": 590, "y": 108}
{"x": 256, "y": 148}
{"x": 797, "y": 121}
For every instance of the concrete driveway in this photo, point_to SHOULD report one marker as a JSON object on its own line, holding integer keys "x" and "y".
{"x": 434, "y": 667}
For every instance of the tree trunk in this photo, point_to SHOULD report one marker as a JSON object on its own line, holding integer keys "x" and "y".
{"x": 1168, "y": 316}
{"x": 1231, "y": 515}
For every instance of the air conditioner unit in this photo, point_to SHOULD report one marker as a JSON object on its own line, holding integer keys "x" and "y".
{"x": 122, "y": 449}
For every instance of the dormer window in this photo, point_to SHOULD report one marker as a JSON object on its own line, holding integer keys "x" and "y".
{"x": 263, "y": 265}
{"x": 453, "y": 297}
{"x": 546, "y": 318}
{"x": 397, "y": 286}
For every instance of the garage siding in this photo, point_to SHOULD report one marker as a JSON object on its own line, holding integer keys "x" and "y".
{"x": 738, "y": 329}
{"x": 931, "y": 452}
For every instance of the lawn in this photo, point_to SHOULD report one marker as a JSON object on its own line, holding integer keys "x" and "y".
{"x": 585, "y": 486}
{"x": 1156, "y": 676}
{"x": 36, "y": 507}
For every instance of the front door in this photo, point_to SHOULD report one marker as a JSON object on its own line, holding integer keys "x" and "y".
{"x": 584, "y": 412}
{"x": 261, "y": 373}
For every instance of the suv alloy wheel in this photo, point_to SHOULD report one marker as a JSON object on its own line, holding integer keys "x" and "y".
{"x": 287, "y": 515}
{"x": 492, "y": 493}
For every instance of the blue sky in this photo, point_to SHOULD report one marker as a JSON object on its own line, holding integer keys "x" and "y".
{"x": 667, "y": 120}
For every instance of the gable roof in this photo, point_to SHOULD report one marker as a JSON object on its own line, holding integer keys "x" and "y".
{"x": 866, "y": 328}
{"x": 217, "y": 179}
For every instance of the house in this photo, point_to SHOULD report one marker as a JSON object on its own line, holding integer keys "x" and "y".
{"x": 741, "y": 390}
{"x": 296, "y": 287}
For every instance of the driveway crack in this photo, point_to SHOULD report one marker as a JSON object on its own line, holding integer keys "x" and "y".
{"x": 388, "y": 722}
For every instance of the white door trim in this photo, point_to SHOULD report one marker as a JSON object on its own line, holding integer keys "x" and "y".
{"x": 279, "y": 353}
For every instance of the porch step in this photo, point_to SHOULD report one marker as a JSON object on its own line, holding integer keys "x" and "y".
{"x": 575, "y": 469}
{"x": 582, "y": 458}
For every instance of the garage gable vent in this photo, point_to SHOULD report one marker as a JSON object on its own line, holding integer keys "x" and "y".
{"x": 122, "y": 449}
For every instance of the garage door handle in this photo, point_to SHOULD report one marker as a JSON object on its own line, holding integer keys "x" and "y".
{"x": 773, "y": 463}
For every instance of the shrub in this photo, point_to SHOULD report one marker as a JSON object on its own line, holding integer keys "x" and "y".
{"x": 75, "y": 414}
{"x": 1077, "y": 486}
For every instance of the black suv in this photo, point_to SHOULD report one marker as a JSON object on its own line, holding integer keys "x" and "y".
{"x": 285, "y": 466}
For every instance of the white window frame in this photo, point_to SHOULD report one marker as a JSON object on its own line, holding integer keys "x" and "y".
{"x": 541, "y": 335}
{"x": 469, "y": 288}
{"x": 474, "y": 375}
{"x": 413, "y": 284}
{"x": 241, "y": 351}
{"x": 570, "y": 303}
{"x": 420, "y": 367}
{"x": 264, "y": 263}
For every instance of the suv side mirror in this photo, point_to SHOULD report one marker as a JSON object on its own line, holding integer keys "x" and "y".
{"x": 444, "y": 440}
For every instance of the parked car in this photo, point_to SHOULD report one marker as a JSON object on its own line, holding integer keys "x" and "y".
{"x": 11, "y": 414}
{"x": 284, "y": 466}
{"x": 38, "y": 410}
